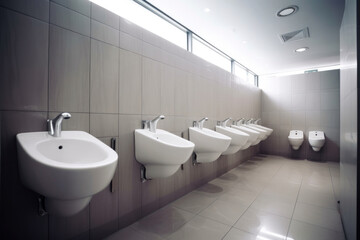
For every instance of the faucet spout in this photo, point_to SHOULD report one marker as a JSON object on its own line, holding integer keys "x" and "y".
{"x": 54, "y": 125}
{"x": 249, "y": 121}
{"x": 258, "y": 121}
{"x": 224, "y": 122}
{"x": 200, "y": 123}
{"x": 239, "y": 121}
{"x": 153, "y": 123}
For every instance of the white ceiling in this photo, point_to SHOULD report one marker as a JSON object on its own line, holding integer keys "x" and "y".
{"x": 231, "y": 23}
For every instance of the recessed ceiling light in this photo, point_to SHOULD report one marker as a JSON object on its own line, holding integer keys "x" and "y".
{"x": 206, "y": 10}
{"x": 287, "y": 11}
{"x": 302, "y": 49}
{"x": 244, "y": 42}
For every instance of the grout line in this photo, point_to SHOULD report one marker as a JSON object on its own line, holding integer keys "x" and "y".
{"x": 48, "y": 102}
{"x": 48, "y": 68}
{"x": 26, "y": 14}
{"x": 89, "y": 108}
{"x": 76, "y": 11}
{"x": 297, "y": 197}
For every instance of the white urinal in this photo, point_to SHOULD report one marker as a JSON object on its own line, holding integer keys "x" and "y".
{"x": 296, "y": 138}
{"x": 316, "y": 140}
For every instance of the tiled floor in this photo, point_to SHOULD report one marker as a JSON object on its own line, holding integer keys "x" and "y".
{"x": 268, "y": 197}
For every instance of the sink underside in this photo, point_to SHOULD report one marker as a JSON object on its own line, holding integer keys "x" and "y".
{"x": 162, "y": 152}
{"x": 208, "y": 144}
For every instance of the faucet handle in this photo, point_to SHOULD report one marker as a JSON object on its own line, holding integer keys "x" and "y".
{"x": 145, "y": 124}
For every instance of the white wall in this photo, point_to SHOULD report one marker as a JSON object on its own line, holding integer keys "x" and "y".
{"x": 349, "y": 121}
{"x": 304, "y": 102}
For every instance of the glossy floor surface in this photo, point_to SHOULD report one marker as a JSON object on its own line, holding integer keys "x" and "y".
{"x": 267, "y": 197}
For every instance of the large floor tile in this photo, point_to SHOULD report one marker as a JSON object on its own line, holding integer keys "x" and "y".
{"x": 276, "y": 205}
{"x": 163, "y": 222}
{"x": 268, "y": 197}
{"x": 213, "y": 189}
{"x": 236, "y": 234}
{"x": 193, "y": 202}
{"x": 201, "y": 228}
{"x": 304, "y": 231}
{"x": 320, "y": 199}
{"x": 282, "y": 190}
{"x": 251, "y": 184}
{"x": 224, "y": 211}
{"x": 323, "y": 217}
{"x": 239, "y": 196}
{"x": 130, "y": 234}
{"x": 262, "y": 223}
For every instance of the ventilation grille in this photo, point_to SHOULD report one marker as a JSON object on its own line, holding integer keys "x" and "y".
{"x": 295, "y": 35}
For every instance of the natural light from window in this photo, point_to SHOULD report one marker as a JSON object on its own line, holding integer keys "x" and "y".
{"x": 240, "y": 72}
{"x": 144, "y": 18}
{"x": 140, "y": 15}
{"x": 206, "y": 52}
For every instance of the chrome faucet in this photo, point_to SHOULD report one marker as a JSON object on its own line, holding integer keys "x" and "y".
{"x": 239, "y": 121}
{"x": 258, "y": 121}
{"x": 224, "y": 122}
{"x": 200, "y": 123}
{"x": 249, "y": 121}
{"x": 151, "y": 125}
{"x": 54, "y": 125}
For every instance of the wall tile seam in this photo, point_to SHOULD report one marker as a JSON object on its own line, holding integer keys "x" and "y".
{"x": 54, "y": 5}
{"x": 90, "y": 47}
{"x": 100, "y": 21}
{"x": 89, "y": 129}
{"x": 63, "y": 28}
{"x": 74, "y": 10}
{"x": 48, "y": 77}
{"x": 112, "y": 45}
{"x": 25, "y": 14}
{"x": 106, "y": 137}
{"x": 344, "y": 96}
{"x": 179, "y": 56}
{"x": 175, "y": 66}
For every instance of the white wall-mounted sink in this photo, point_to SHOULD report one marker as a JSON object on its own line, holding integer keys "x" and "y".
{"x": 268, "y": 130}
{"x": 254, "y": 136}
{"x": 161, "y": 152}
{"x": 238, "y": 139}
{"x": 263, "y": 133}
{"x": 68, "y": 170}
{"x": 208, "y": 144}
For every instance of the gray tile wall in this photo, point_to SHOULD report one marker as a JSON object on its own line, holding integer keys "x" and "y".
{"x": 304, "y": 102}
{"x": 109, "y": 74}
{"x": 349, "y": 119}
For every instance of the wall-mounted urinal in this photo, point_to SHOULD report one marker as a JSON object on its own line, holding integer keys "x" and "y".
{"x": 160, "y": 152}
{"x": 208, "y": 144}
{"x": 316, "y": 140}
{"x": 238, "y": 139}
{"x": 296, "y": 138}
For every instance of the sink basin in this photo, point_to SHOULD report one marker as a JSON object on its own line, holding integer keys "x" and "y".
{"x": 268, "y": 130}
{"x": 238, "y": 139}
{"x": 263, "y": 133}
{"x": 208, "y": 144}
{"x": 254, "y": 136}
{"x": 67, "y": 170}
{"x": 161, "y": 152}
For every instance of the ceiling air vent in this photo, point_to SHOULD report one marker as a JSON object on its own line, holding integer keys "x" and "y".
{"x": 295, "y": 35}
